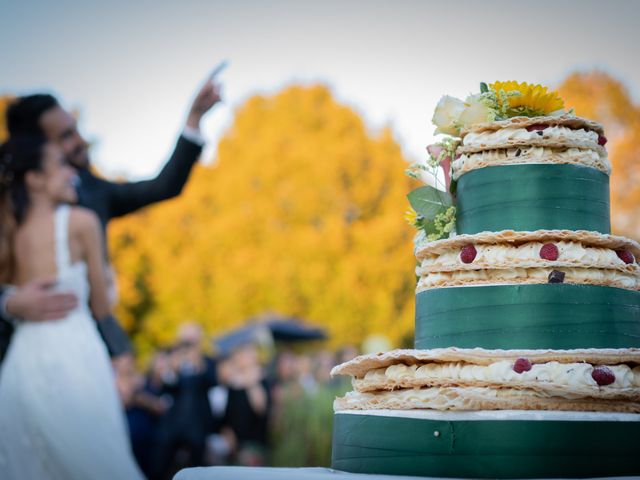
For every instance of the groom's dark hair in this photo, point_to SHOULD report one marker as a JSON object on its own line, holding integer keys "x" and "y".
{"x": 23, "y": 114}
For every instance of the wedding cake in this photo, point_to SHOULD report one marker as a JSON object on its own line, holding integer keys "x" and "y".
{"x": 527, "y": 333}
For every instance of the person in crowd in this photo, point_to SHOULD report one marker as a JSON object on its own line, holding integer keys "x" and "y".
{"x": 306, "y": 374}
{"x": 188, "y": 421}
{"x": 324, "y": 361}
{"x": 60, "y": 416}
{"x": 145, "y": 403}
{"x": 247, "y": 410}
{"x": 42, "y": 114}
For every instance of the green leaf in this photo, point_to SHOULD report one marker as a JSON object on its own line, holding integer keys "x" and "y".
{"x": 428, "y": 201}
{"x": 484, "y": 88}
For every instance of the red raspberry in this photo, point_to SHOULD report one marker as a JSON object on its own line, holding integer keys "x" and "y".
{"x": 602, "y": 140}
{"x": 536, "y": 127}
{"x": 468, "y": 254}
{"x": 522, "y": 365}
{"x": 549, "y": 252}
{"x": 603, "y": 376}
{"x": 626, "y": 256}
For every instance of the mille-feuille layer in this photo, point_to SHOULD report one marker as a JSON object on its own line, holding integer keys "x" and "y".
{"x": 477, "y": 379}
{"x": 508, "y": 257}
{"x": 540, "y": 140}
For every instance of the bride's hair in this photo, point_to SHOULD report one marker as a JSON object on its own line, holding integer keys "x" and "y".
{"x": 18, "y": 156}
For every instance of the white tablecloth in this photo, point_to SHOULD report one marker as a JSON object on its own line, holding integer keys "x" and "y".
{"x": 249, "y": 473}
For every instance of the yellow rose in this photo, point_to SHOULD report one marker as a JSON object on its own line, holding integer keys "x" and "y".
{"x": 447, "y": 114}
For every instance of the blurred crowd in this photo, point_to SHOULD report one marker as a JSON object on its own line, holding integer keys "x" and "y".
{"x": 192, "y": 408}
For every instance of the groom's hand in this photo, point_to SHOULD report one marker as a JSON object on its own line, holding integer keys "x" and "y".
{"x": 36, "y": 301}
{"x": 206, "y": 98}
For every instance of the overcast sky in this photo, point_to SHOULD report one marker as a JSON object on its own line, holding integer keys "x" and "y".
{"x": 132, "y": 67}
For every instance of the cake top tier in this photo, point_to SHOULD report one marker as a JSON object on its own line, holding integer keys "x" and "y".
{"x": 560, "y": 159}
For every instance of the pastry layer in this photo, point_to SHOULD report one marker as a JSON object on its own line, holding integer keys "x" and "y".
{"x": 526, "y": 255}
{"x": 554, "y": 378}
{"x": 558, "y": 137}
{"x": 528, "y": 276}
{"x": 360, "y": 365}
{"x": 531, "y": 155}
{"x": 569, "y": 121}
{"x": 478, "y": 398}
{"x": 513, "y": 238}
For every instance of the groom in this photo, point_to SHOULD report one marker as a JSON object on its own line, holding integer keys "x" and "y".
{"x": 42, "y": 114}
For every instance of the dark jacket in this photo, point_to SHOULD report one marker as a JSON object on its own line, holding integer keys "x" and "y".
{"x": 111, "y": 200}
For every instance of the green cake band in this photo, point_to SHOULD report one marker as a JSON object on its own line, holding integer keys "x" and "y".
{"x": 533, "y": 197}
{"x": 485, "y": 449}
{"x": 555, "y": 316}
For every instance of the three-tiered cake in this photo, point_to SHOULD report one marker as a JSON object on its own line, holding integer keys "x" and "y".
{"x": 527, "y": 318}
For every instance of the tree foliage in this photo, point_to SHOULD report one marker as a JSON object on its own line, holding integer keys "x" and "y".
{"x": 301, "y": 214}
{"x": 599, "y": 96}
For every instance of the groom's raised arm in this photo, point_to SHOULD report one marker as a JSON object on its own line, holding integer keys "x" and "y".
{"x": 124, "y": 198}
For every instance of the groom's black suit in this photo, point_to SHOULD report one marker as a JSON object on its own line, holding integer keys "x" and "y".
{"x": 111, "y": 200}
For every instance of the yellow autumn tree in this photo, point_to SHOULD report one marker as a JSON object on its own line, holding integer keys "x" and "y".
{"x": 597, "y": 95}
{"x": 302, "y": 214}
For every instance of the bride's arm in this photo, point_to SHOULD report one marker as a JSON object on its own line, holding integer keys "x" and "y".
{"x": 92, "y": 248}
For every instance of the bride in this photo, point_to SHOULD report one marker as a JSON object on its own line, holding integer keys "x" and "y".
{"x": 60, "y": 416}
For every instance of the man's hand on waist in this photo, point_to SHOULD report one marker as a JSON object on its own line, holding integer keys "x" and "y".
{"x": 37, "y": 301}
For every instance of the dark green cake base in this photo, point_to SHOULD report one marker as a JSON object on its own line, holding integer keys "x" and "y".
{"x": 533, "y": 197}
{"x": 524, "y": 448}
{"x": 546, "y": 316}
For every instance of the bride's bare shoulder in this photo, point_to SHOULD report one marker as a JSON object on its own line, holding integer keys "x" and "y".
{"x": 83, "y": 222}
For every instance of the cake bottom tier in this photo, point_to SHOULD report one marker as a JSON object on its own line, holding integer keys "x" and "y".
{"x": 487, "y": 444}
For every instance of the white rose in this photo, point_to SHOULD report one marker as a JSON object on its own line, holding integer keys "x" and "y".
{"x": 447, "y": 114}
{"x": 475, "y": 111}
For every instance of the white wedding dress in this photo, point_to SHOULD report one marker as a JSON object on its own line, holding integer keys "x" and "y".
{"x": 60, "y": 415}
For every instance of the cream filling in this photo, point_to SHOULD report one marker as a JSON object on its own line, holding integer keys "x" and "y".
{"x": 527, "y": 155}
{"x": 562, "y": 374}
{"x": 504, "y": 135}
{"x": 525, "y": 255}
{"x": 530, "y": 275}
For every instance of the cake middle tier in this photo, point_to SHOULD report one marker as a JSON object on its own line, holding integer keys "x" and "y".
{"x": 546, "y": 316}
{"x": 533, "y": 197}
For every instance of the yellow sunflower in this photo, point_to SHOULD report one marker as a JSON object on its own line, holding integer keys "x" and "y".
{"x": 533, "y": 99}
